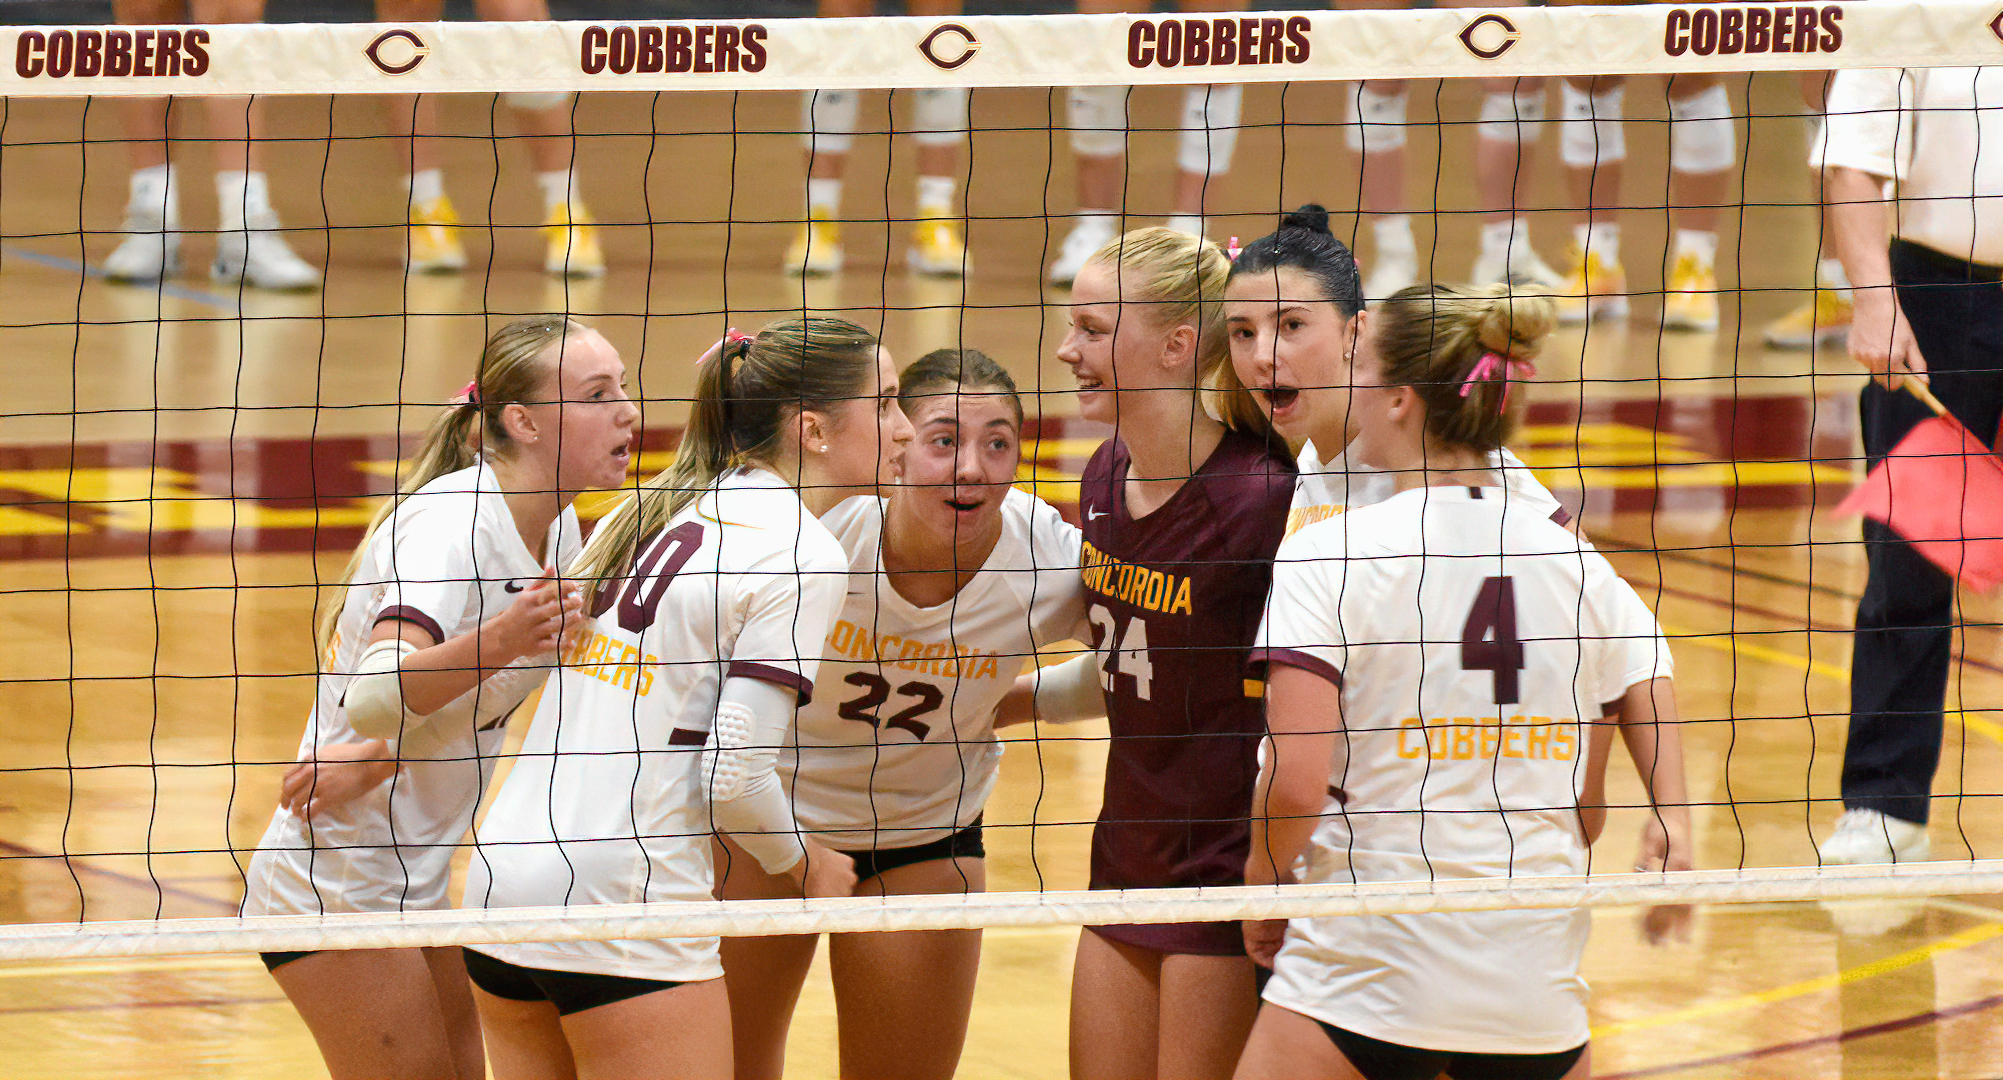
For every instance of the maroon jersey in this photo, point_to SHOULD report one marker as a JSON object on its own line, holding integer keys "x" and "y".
{"x": 1175, "y": 600}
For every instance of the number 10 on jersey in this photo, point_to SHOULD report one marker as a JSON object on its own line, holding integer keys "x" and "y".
{"x": 1126, "y": 652}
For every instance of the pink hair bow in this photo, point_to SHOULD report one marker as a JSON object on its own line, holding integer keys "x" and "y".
{"x": 734, "y": 336}
{"x": 1232, "y": 249}
{"x": 470, "y": 395}
{"x": 1496, "y": 366}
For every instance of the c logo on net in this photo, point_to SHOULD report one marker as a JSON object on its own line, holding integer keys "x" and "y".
{"x": 931, "y": 47}
{"x": 1500, "y": 44}
{"x": 418, "y": 50}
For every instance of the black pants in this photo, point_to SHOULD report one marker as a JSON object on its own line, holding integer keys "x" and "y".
{"x": 1905, "y": 621}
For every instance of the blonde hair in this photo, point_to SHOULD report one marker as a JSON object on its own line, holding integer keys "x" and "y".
{"x": 514, "y": 367}
{"x": 1431, "y": 337}
{"x": 1181, "y": 279}
{"x": 743, "y": 398}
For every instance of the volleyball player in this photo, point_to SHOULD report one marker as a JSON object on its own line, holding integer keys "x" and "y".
{"x": 1097, "y": 117}
{"x": 571, "y": 246}
{"x": 938, "y": 126}
{"x": 1446, "y": 759}
{"x": 1182, "y": 510}
{"x": 249, "y": 249}
{"x": 450, "y": 619}
{"x": 1295, "y": 313}
{"x": 710, "y": 593}
{"x": 955, "y": 580}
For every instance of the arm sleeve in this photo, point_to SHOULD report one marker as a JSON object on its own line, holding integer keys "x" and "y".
{"x": 758, "y": 815}
{"x": 1863, "y": 123}
{"x": 1069, "y": 692}
{"x": 1303, "y": 626}
{"x": 431, "y": 571}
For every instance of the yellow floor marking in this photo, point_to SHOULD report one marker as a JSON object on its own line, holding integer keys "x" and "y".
{"x": 1965, "y": 939}
{"x": 1988, "y": 729}
{"x": 62, "y": 969}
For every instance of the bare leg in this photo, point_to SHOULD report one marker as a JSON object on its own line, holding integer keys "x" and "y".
{"x": 903, "y": 998}
{"x": 1207, "y": 1007}
{"x": 525, "y": 1039}
{"x": 678, "y": 1034}
{"x": 1115, "y": 1010}
{"x": 764, "y": 974}
{"x": 375, "y": 1013}
{"x": 1288, "y": 1046}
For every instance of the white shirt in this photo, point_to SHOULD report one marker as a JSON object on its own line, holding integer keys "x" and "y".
{"x": 1323, "y": 490}
{"x": 1407, "y": 606}
{"x": 1937, "y": 133}
{"x": 447, "y": 560}
{"x": 898, "y": 747}
{"x": 606, "y": 804}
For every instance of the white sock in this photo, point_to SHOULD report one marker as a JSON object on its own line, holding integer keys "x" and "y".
{"x": 1187, "y": 223}
{"x": 151, "y": 186}
{"x": 1702, "y": 243}
{"x": 935, "y": 195}
{"x": 1602, "y": 238}
{"x": 559, "y": 186}
{"x": 1829, "y": 274}
{"x": 1497, "y": 237}
{"x": 426, "y": 186}
{"x": 1394, "y": 235}
{"x": 824, "y": 195}
{"x": 242, "y": 197}
{"x": 1089, "y": 215}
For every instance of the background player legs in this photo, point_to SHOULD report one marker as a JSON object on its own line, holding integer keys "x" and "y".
{"x": 939, "y": 127}
{"x": 1593, "y": 147}
{"x": 248, "y": 247}
{"x": 1703, "y": 147}
{"x": 544, "y": 119}
{"x": 1512, "y": 117}
{"x": 432, "y": 243}
{"x": 1376, "y": 134}
{"x": 1825, "y": 318}
{"x": 902, "y": 999}
{"x": 1137, "y": 1012}
{"x": 384, "y": 1012}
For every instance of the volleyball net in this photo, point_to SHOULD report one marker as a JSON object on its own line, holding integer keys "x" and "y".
{"x": 188, "y": 455}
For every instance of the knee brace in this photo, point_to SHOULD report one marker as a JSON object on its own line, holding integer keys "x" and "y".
{"x": 1591, "y": 133}
{"x": 1098, "y": 120}
{"x": 548, "y": 99}
{"x": 1376, "y": 121}
{"x": 1512, "y": 118}
{"x": 1209, "y": 128}
{"x": 940, "y": 117}
{"x": 827, "y": 120}
{"x": 1701, "y": 136}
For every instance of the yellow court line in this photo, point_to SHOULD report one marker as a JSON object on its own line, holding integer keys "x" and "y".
{"x": 1963, "y": 940}
{"x": 132, "y": 965}
{"x": 1988, "y": 729}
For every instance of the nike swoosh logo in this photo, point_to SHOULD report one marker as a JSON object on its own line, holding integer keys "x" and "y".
{"x": 1094, "y": 515}
{"x": 514, "y": 586}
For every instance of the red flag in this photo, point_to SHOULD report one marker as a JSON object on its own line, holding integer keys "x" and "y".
{"x": 1942, "y": 490}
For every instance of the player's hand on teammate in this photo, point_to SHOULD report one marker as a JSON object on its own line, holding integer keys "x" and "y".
{"x": 825, "y": 871}
{"x": 1882, "y": 340}
{"x": 534, "y": 624}
{"x": 1263, "y": 938}
{"x": 334, "y": 776}
{"x": 1665, "y": 847}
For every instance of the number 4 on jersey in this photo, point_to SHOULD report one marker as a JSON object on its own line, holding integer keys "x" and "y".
{"x": 1489, "y": 642}
{"x": 1126, "y": 653}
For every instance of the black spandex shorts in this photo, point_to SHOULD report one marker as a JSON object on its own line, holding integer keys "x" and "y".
{"x": 569, "y": 991}
{"x": 964, "y": 844}
{"x": 275, "y": 960}
{"x": 1380, "y": 1060}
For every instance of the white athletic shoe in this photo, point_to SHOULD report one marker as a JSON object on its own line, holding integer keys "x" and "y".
{"x": 1089, "y": 235}
{"x": 1864, "y": 837}
{"x": 261, "y": 259}
{"x": 1517, "y": 265}
{"x": 151, "y": 249}
{"x": 1398, "y": 271}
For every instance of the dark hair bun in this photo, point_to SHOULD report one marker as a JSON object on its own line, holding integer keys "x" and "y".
{"x": 1312, "y": 217}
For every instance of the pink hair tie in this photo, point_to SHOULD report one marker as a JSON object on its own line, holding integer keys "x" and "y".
{"x": 470, "y": 395}
{"x": 1501, "y": 368}
{"x": 735, "y": 336}
{"x": 1232, "y": 249}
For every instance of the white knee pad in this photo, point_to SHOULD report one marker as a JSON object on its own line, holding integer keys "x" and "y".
{"x": 1098, "y": 119}
{"x": 1376, "y": 121}
{"x": 1591, "y": 133}
{"x": 541, "y": 99}
{"x": 827, "y": 120}
{"x": 1701, "y": 136}
{"x": 940, "y": 117}
{"x": 1210, "y": 128}
{"x": 1512, "y": 118}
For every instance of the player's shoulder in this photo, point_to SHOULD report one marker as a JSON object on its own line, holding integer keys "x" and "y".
{"x": 1035, "y": 526}
{"x": 758, "y": 517}
{"x": 858, "y": 523}
{"x": 446, "y": 506}
{"x": 1246, "y": 474}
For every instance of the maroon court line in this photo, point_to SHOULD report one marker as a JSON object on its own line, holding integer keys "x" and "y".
{"x": 105, "y": 1006}
{"x": 1867, "y": 1031}
{"x": 75, "y": 863}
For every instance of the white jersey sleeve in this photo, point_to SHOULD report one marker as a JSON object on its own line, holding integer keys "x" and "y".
{"x": 1315, "y": 587}
{"x": 1630, "y": 646}
{"x": 427, "y": 563}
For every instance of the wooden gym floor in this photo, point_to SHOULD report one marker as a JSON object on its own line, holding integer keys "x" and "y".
{"x": 166, "y": 456}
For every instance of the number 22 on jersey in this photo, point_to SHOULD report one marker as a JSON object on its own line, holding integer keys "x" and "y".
{"x": 1126, "y": 652}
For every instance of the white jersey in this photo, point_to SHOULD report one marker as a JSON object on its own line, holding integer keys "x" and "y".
{"x": 898, "y": 748}
{"x": 607, "y": 803}
{"x": 1323, "y": 490}
{"x": 1465, "y": 675}
{"x": 447, "y": 560}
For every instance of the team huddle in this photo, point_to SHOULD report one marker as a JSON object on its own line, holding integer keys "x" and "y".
{"x": 777, "y": 669}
